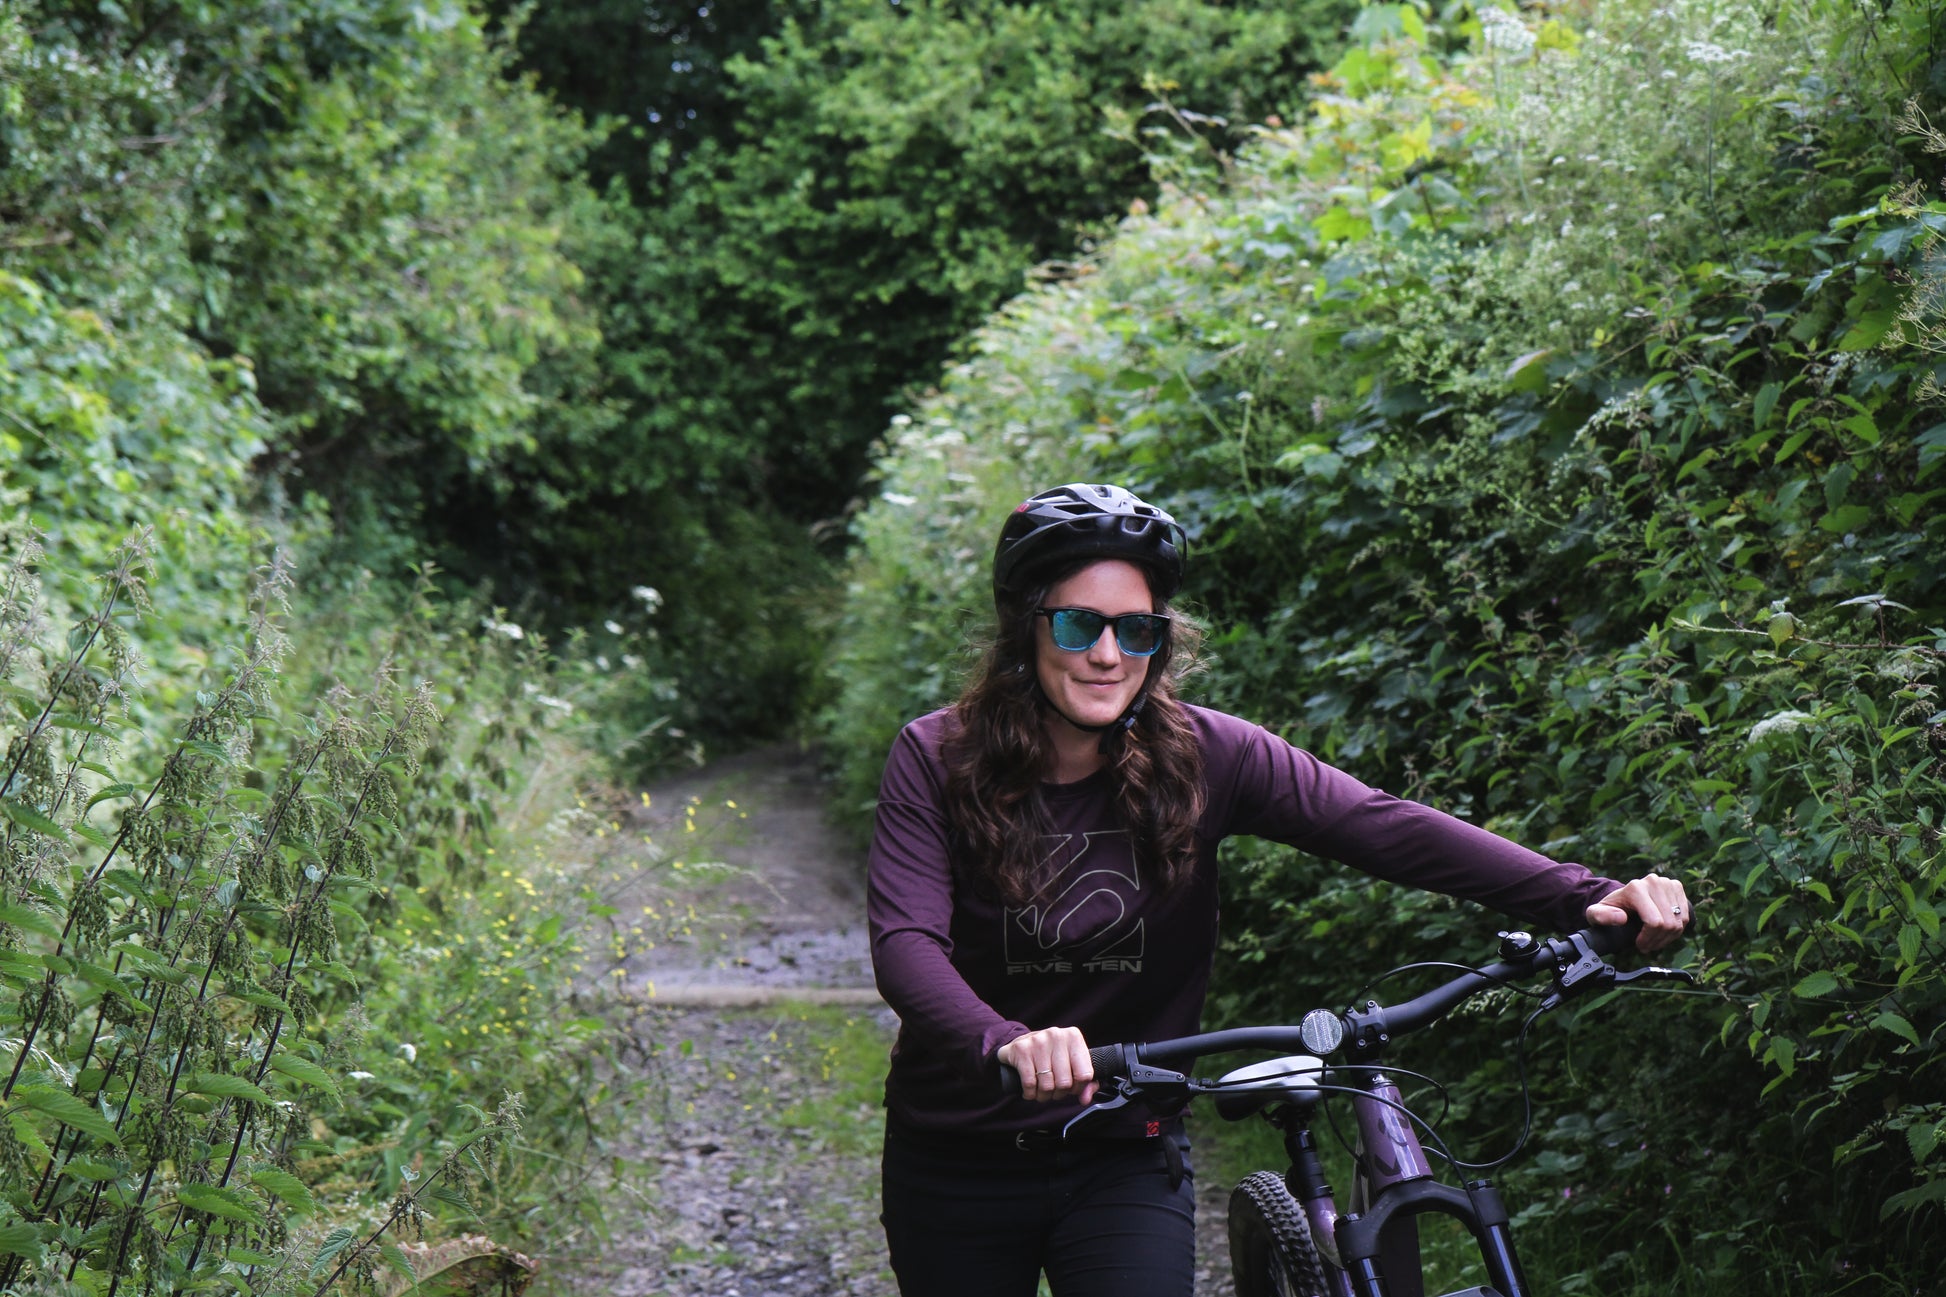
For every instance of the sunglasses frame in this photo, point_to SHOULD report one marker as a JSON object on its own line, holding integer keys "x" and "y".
{"x": 1107, "y": 622}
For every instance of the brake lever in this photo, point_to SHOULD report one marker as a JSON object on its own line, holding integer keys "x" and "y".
{"x": 1093, "y": 1110}
{"x": 1142, "y": 1077}
{"x": 1656, "y": 973}
{"x": 1573, "y": 977}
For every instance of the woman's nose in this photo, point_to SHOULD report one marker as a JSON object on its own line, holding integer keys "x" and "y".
{"x": 1105, "y": 651}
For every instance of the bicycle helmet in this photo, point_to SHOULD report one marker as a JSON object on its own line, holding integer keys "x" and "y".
{"x": 1083, "y": 520}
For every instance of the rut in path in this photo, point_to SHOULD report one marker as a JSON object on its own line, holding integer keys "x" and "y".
{"x": 742, "y": 1204}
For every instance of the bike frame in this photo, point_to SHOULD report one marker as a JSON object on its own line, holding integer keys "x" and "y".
{"x": 1400, "y": 1186}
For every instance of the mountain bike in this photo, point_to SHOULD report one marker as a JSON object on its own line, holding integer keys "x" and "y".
{"x": 1288, "y": 1237}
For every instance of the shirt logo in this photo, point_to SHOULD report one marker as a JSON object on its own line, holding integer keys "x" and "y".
{"x": 1089, "y": 923}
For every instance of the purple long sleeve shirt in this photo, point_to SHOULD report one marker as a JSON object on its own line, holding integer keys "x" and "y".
{"x": 1106, "y": 951}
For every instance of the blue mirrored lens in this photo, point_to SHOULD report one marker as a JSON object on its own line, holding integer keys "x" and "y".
{"x": 1075, "y": 630}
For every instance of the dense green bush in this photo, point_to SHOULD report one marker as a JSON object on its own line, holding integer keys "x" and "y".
{"x": 356, "y": 199}
{"x": 266, "y": 980}
{"x": 861, "y": 183}
{"x": 266, "y": 968}
{"x": 1553, "y": 451}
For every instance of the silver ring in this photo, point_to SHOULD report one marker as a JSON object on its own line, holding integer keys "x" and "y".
{"x": 1045, "y": 1071}
{"x": 1675, "y": 909}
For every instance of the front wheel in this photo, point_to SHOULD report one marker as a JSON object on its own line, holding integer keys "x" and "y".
{"x": 1271, "y": 1252}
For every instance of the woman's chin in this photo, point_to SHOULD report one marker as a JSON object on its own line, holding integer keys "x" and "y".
{"x": 1093, "y": 712}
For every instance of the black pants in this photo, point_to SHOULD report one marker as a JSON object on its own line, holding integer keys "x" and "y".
{"x": 1104, "y": 1218}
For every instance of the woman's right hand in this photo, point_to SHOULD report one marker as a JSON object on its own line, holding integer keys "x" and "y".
{"x": 1053, "y": 1064}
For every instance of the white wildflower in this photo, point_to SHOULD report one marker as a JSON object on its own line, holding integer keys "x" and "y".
{"x": 1779, "y": 723}
{"x": 560, "y": 705}
{"x": 903, "y": 501}
{"x": 649, "y": 595}
{"x": 1709, "y": 52}
{"x": 359, "y": 1076}
{"x": 612, "y": 626}
{"x": 901, "y": 420}
{"x": 1502, "y": 31}
{"x": 505, "y": 628}
{"x": 1656, "y": 218}
{"x": 409, "y": 1052}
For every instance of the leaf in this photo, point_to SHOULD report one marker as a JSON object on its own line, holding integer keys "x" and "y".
{"x": 262, "y": 999}
{"x": 30, "y": 819}
{"x": 1922, "y": 1139}
{"x": 112, "y": 790}
{"x": 1870, "y": 328}
{"x": 1766, "y": 402}
{"x": 1527, "y": 374}
{"x": 1845, "y": 518}
{"x": 335, "y": 1242}
{"x": 23, "y": 916}
{"x": 230, "y": 1204}
{"x": 1912, "y": 1199}
{"x": 1818, "y": 983}
{"x": 395, "y": 1258}
{"x": 67, "y": 1110}
{"x": 224, "y": 1086}
{"x": 105, "y": 979}
{"x": 86, "y": 1168}
{"x": 1909, "y": 940}
{"x": 293, "y": 1192}
{"x": 150, "y": 964}
{"x": 303, "y": 1069}
{"x": 1897, "y": 1025}
{"x": 19, "y": 1238}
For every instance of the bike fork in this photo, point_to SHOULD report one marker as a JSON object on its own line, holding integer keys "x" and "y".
{"x": 1478, "y": 1207}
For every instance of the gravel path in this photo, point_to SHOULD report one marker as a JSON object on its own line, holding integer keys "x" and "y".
{"x": 764, "y": 1164}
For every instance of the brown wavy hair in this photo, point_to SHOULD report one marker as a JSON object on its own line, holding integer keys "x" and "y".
{"x": 1000, "y": 750}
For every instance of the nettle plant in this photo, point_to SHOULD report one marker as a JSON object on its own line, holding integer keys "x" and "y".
{"x": 178, "y": 1004}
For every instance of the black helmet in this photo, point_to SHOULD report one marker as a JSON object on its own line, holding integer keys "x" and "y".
{"x": 1082, "y": 520}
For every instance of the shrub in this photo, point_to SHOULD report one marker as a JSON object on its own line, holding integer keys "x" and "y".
{"x": 1544, "y": 422}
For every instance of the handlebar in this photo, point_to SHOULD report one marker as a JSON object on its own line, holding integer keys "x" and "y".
{"x": 1577, "y": 962}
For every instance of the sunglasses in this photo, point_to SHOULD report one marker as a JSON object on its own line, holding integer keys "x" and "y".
{"x": 1076, "y": 630}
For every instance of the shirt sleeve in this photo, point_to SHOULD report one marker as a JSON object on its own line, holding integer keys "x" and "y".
{"x": 909, "y": 910}
{"x": 1285, "y": 794}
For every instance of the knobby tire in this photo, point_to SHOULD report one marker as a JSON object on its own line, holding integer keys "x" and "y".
{"x": 1271, "y": 1252}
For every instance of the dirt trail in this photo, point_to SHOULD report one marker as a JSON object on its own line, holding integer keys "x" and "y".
{"x": 744, "y": 1203}
{"x": 794, "y": 886}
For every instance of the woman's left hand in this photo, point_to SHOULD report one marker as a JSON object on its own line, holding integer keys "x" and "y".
{"x": 1659, "y": 902}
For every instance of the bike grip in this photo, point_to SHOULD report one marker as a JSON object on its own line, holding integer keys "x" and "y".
{"x": 1614, "y": 940}
{"x": 1105, "y": 1059}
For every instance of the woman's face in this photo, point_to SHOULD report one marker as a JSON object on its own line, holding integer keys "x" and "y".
{"x": 1096, "y": 685}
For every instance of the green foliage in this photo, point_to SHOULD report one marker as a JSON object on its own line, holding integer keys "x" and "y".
{"x": 1547, "y": 418}
{"x": 894, "y": 173}
{"x": 264, "y": 963}
{"x": 861, "y": 184}
{"x": 357, "y": 198}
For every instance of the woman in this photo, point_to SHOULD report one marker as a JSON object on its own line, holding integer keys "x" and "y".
{"x": 1043, "y": 876}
